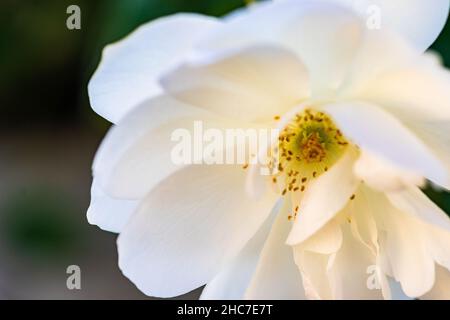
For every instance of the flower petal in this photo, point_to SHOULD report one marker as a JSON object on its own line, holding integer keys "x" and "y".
{"x": 403, "y": 241}
{"x": 324, "y": 198}
{"x": 411, "y": 264}
{"x": 417, "y": 20}
{"x": 324, "y": 36}
{"x": 129, "y": 71}
{"x": 137, "y": 153}
{"x": 435, "y": 134}
{"x": 420, "y": 22}
{"x": 349, "y": 270}
{"x": 276, "y": 276}
{"x": 382, "y": 175}
{"x": 379, "y": 132}
{"x": 313, "y": 268}
{"x": 327, "y": 240}
{"x": 432, "y": 220}
{"x": 413, "y": 238}
{"x": 419, "y": 89}
{"x": 109, "y": 213}
{"x": 181, "y": 237}
{"x": 254, "y": 84}
{"x": 414, "y": 202}
{"x": 360, "y": 214}
{"x": 232, "y": 282}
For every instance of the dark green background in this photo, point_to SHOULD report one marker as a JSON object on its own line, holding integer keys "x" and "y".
{"x": 49, "y": 134}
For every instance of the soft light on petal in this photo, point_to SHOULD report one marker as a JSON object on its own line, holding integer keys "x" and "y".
{"x": 414, "y": 202}
{"x": 418, "y": 21}
{"x": 435, "y": 134}
{"x": 130, "y": 69}
{"x": 348, "y": 270}
{"x": 277, "y": 276}
{"x": 181, "y": 236}
{"x": 418, "y": 89}
{"x": 232, "y": 282}
{"x": 382, "y": 175}
{"x": 403, "y": 242}
{"x": 379, "y": 132}
{"x": 324, "y": 198}
{"x": 254, "y": 84}
{"x": 313, "y": 268}
{"x": 137, "y": 152}
{"x": 324, "y": 36}
{"x": 110, "y": 214}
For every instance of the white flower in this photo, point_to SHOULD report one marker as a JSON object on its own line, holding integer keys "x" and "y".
{"x": 364, "y": 110}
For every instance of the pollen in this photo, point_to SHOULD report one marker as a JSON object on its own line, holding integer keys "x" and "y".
{"x": 309, "y": 145}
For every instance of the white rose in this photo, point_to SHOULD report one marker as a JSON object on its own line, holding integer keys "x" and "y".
{"x": 365, "y": 116}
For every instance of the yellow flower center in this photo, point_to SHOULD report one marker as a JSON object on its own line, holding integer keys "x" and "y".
{"x": 308, "y": 146}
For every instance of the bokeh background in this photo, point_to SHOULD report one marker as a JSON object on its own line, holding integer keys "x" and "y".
{"x": 49, "y": 135}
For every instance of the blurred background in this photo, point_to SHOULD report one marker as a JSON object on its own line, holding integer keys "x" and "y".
{"x": 49, "y": 135}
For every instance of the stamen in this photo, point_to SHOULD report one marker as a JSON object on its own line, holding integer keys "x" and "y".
{"x": 307, "y": 147}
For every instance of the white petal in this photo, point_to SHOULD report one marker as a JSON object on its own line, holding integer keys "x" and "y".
{"x": 413, "y": 237}
{"x": 232, "y": 282}
{"x": 324, "y": 36}
{"x": 324, "y": 198}
{"x": 410, "y": 262}
{"x": 441, "y": 288}
{"x": 109, "y": 213}
{"x": 325, "y": 241}
{"x": 349, "y": 270}
{"x": 136, "y": 153}
{"x": 433, "y": 222}
{"x": 404, "y": 242}
{"x": 346, "y": 268}
{"x": 182, "y": 235}
{"x": 379, "y": 52}
{"x": 382, "y": 175}
{"x": 414, "y": 202}
{"x": 254, "y": 84}
{"x": 313, "y": 268}
{"x": 420, "y": 22}
{"x": 417, "y": 20}
{"x": 376, "y": 130}
{"x": 360, "y": 214}
{"x": 435, "y": 134}
{"x": 130, "y": 69}
{"x": 277, "y": 276}
{"x": 419, "y": 89}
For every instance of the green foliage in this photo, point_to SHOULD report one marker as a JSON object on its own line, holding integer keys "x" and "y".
{"x": 442, "y": 45}
{"x": 39, "y": 223}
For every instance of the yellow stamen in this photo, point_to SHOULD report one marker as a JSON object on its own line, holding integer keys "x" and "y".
{"x": 309, "y": 145}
